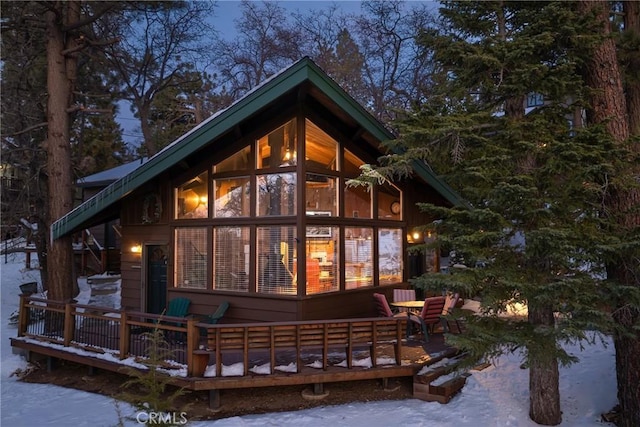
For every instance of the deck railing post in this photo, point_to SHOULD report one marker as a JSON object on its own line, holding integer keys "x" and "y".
{"x": 125, "y": 335}
{"x": 69, "y": 324}
{"x": 23, "y": 315}
{"x": 398, "y": 349}
{"x": 193, "y": 337}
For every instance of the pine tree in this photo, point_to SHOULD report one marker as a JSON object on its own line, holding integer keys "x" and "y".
{"x": 612, "y": 73}
{"x": 534, "y": 180}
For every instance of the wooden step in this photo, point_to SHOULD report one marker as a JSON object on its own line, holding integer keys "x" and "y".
{"x": 443, "y": 392}
{"x": 427, "y": 387}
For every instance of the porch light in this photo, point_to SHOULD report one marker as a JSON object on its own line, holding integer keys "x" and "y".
{"x": 136, "y": 249}
{"x": 414, "y": 236}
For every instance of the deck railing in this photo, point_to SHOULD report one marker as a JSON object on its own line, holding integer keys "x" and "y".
{"x": 194, "y": 344}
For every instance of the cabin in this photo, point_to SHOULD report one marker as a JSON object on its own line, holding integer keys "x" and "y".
{"x": 253, "y": 207}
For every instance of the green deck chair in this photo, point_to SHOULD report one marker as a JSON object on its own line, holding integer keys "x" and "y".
{"x": 217, "y": 315}
{"x": 178, "y": 307}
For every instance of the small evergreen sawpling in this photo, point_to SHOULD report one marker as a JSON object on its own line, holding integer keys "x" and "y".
{"x": 151, "y": 393}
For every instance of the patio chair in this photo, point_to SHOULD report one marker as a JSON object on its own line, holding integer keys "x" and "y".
{"x": 450, "y": 304}
{"x": 178, "y": 307}
{"x": 384, "y": 310}
{"x": 218, "y": 314}
{"x": 404, "y": 295}
{"x": 429, "y": 316}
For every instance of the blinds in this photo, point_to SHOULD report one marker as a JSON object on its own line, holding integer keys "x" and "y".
{"x": 231, "y": 258}
{"x": 191, "y": 257}
{"x": 276, "y": 260}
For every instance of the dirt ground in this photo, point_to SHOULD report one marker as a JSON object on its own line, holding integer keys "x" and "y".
{"x": 233, "y": 402}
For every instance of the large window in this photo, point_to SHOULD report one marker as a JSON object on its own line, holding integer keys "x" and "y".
{"x": 321, "y": 150}
{"x": 250, "y": 208}
{"x": 321, "y": 192}
{"x": 191, "y": 258}
{"x": 277, "y": 260}
{"x": 322, "y": 259}
{"x": 390, "y": 255}
{"x": 358, "y": 257}
{"x": 278, "y": 148}
{"x": 389, "y": 203}
{"x": 277, "y": 194}
{"x": 231, "y": 258}
{"x": 191, "y": 198}
{"x": 232, "y": 197}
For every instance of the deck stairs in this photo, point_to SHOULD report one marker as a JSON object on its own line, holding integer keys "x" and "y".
{"x": 441, "y": 381}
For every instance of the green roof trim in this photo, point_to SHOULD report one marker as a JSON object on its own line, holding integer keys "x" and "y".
{"x": 216, "y": 125}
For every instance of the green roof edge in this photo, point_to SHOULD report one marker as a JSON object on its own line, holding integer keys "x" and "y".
{"x": 303, "y": 70}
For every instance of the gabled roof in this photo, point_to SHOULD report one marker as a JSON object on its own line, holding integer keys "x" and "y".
{"x": 109, "y": 176}
{"x": 302, "y": 72}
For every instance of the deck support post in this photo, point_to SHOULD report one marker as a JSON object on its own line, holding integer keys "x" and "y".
{"x": 214, "y": 399}
{"x": 51, "y": 363}
{"x": 318, "y": 388}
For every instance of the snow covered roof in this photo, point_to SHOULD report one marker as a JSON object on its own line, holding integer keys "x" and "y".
{"x": 106, "y": 177}
{"x": 303, "y": 72}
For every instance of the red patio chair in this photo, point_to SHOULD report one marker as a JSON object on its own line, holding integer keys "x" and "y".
{"x": 384, "y": 310}
{"x": 429, "y": 316}
{"x": 450, "y": 304}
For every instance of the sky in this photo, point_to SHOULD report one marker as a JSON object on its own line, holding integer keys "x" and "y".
{"x": 495, "y": 397}
{"x": 223, "y": 21}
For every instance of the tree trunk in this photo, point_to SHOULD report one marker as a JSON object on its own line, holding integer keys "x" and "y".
{"x": 59, "y": 255}
{"x": 632, "y": 85}
{"x": 544, "y": 392}
{"x": 149, "y": 143}
{"x": 609, "y": 106}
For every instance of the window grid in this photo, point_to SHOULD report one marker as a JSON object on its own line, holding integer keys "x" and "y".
{"x": 231, "y": 258}
{"x": 276, "y": 260}
{"x": 191, "y": 259}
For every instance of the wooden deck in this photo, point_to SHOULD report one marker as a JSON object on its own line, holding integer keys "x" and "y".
{"x": 313, "y": 352}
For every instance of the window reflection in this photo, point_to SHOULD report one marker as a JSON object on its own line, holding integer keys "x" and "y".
{"x": 239, "y": 161}
{"x": 278, "y": 148}
{"x": 277, "y": 194}
{"x": 390, "y": 255}
{"x": 321, "y": 149}
{"x": 358, "y": 257}
{"x": 231, "y": 197}
{"x": 191, "y": 198}
{"x": 321, "y": 195}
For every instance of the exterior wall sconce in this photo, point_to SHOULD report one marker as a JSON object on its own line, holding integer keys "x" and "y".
{"x": 414, "y": 237}
{"x": 136, "y": 249}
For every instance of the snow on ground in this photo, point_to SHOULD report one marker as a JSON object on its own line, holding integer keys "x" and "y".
{"x": 496, "y": 396}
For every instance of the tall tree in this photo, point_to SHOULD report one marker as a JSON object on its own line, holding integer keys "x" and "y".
{"x": 161, "y": 45}
{"x": 620, "y": 115}
{"x": 23, "y": 124}
{"x": 396, "y": 72}
{"x": 264, "y": 45}
{"x": 327, "y": 40}
{"x": 63, "y": 31}
{"x": 533, "y": 183}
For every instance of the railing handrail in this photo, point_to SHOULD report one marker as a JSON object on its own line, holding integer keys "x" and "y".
{"x": 299, "y": 334}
